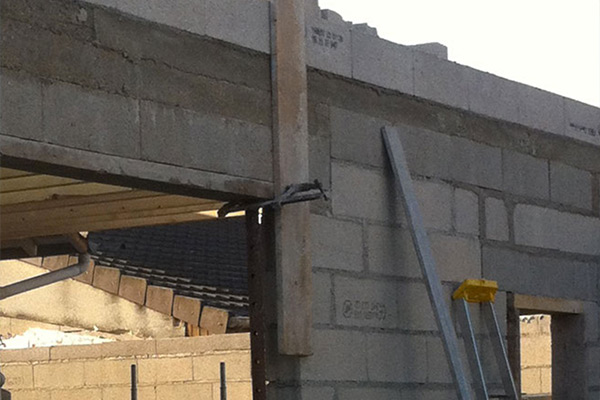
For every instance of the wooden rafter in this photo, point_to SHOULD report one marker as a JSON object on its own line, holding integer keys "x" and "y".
{"x": 41, "y": 206}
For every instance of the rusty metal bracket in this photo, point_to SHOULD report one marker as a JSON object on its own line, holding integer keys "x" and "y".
{"x": 295, "y": 193}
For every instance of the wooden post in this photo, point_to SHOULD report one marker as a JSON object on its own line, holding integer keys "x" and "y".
{"x": 290, "y": 128}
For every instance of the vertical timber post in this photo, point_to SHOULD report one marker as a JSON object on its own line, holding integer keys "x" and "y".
{"x": 290, "y": 139}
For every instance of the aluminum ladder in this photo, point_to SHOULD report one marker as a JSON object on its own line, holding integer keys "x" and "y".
{"x": 483, "y": 292}
{"x": 422, "y": 245}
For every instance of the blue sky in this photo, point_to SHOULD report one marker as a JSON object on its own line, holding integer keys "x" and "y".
{"x": 550, "y": 44}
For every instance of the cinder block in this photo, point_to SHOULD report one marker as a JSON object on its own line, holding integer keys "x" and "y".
{"x": 433, "y": 48}
{"x": 475, "y": 163}
{"x": 319, "y": 162}
{"x": 317, "y": 393}
{"x": 130, "y": 348}
{"x": 123, "y": 392}
{"x": 466, "y": 212}
{"x": 541, "y": 110}
{"x": 55, "y": 262}
{"x": 203, "y": 344}
{"x": 187, "y": 15}
{"x": 214, "y": 320}
{"x": 164, "y": 370}
{"x": 525, "y": 175}
{"x": 377, "y": 393}
{"x": 391, "y": 252}
{"x": 364, "y": 193}
{"x": 457, "y": 258}
{"x": 328, "y": 44}
{"x": 242, "y": 22}
{"x": 35, "y": 394}
{"x": 336, "y": 244}
{"x": 322, "y": 298}
{"x": 412, "y": 317}
{"x": 438, "y": 370}
{"x": 91, "y": 120}
{"x": 163, "y": 84}
{"x": 593, "y": 369}
{"x": 440, "y": 80}
{"x": 182, "y": 137}
{"x": 237, "y": 365}
{"x": 357, "y": 137}
{"x": 384, "y": 351}
{"x": 582, "y": 121}
{"x": 25, "y": 355}
{"x": 159, "y": 299}
{"x": 75, "y": 352}
{"x": 569, "y": 185}
{"x": 143, "y": 41}
{"x": 58, "y": 375}
{"x": 592, "y": 322}
{"x": 77, "y": 394}
{"x": 492, "y": 96}
{"x": 531, "y": 380}
{"x": 382, "y": 63}
{"x": 541, "y": 276}
{"x": 187, "y": 309}
{"x": 435, "y": 204}
{"x": 107, "y": 279}
{"x": 18, "y": 376}
{"x": 20, "y": 105}
{"x": 133, "y": 289}
{"x": 551, "y": 229}
{"x": 438, "y": 155}
{"x": 363, "y": 302}
{"x": 496, "y": 219}
{"x": 185, "y": 391}
{"x": 338, "y": 355}
{"x": 107, "y": 372}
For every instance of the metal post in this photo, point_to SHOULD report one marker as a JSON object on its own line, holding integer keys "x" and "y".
{"x": 423, "y": 249}
{"x": 133, "y": 382}
{"x": 223, "y": 382}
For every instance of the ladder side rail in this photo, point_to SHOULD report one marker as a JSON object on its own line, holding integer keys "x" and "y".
{"x": 423, "y": 250}
{"x": 471, "y": 348}
{"x": 499, "y": 351}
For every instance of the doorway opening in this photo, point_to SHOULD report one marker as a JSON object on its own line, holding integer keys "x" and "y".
{"x": 536, "y": 356}
{"x": 546, "y": 346}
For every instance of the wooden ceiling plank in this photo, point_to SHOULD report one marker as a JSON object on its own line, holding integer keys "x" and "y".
{"x": 29, "y": 182}
{"x": 12, "y": 173}
{"x": 108, "y": 221}
{"x": 115, "y": 206}
{"x": 75, "y": 201}
{"x": 76, "y": 189}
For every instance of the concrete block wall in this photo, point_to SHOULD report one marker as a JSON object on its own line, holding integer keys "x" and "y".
{"x": 101, "y": 87}
{"x": 167, "y": 369}
{"x": 522, "y": 215}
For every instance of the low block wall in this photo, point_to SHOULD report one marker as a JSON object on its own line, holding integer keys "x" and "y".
{"x": 180, "y": 368}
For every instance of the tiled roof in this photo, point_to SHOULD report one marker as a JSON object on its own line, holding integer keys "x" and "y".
{"x": 204, "y": 260}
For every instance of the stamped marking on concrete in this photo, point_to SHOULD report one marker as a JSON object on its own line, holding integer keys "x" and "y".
{"x": 325, "y": 38}
{"x": 364, "y": 310}
{"x": 585, "y": 130}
